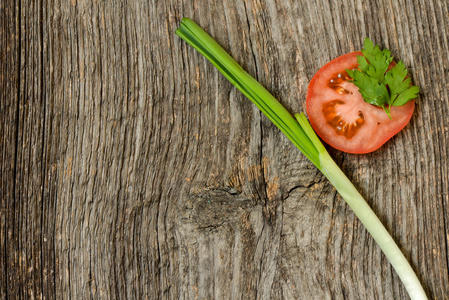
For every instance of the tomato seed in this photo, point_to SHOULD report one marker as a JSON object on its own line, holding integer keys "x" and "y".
{"x": 341, "y": 126}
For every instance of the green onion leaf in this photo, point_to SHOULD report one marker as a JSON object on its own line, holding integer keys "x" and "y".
{"x": 251, "y": 88}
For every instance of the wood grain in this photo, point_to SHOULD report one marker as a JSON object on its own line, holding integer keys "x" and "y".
{"x": 131, "y": 169}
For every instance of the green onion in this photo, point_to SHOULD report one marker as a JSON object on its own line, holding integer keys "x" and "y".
{"x": 302, "y": 135}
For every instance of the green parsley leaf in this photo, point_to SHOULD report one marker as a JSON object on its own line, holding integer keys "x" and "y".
{"x": 372, "y": 92}
{"x": 406, "y": 96}
{"x": 401, "y": 88}
{"x": 377, "y": 86}
{"x": 378, "y": 61}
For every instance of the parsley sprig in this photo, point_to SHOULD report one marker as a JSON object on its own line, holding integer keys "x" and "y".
{"x": 377, "y": 86}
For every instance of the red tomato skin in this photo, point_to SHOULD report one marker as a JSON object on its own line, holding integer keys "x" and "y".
{"x": 364, "y": 141}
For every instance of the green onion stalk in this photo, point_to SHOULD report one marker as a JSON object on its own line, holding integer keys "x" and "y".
{"x": 302, "y": 135}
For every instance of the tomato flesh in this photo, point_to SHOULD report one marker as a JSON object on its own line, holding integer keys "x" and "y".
{"x": 340, "y": 116}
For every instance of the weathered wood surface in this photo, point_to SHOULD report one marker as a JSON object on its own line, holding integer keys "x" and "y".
{"x": 131, "y": 169}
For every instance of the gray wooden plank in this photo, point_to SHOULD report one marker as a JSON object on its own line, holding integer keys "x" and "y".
{"x": 132, "y": 169}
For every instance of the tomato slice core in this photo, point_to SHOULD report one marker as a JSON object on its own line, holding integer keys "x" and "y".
{"x": 340, "y": 116}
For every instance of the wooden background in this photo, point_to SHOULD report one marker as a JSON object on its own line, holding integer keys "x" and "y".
{"x": 131, "y": 169}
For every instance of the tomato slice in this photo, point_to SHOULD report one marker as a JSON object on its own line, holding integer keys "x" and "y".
{"x": 341, "y": 117}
